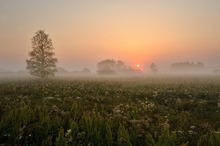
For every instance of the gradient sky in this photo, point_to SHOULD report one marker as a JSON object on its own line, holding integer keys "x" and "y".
{"x": 85, "y": 32}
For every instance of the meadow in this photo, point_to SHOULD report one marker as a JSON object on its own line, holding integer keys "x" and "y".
{"x": 111, "y": 111}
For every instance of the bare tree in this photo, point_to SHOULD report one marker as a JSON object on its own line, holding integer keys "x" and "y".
{"x": 42, "y": 62}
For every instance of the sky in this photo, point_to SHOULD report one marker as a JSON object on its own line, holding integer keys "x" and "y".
{"x": 84, "y": 32}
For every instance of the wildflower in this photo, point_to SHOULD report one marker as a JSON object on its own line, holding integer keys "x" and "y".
{"x": 81, "y": 135}
{"x": 178, "y": 100}
{"x": 57, "y": 95}
{"x": 190, "y": 132}
{"x": 192, "y": 127}
{"x": 20, "y": 96}
{"x": 68, "y": 132}
{"x": 55, "y": 108}
{"x": 20, "y": 137}
{"x": 49, "y": 98}
{"x": 106, "y": 93}
{"x": 117, "y": 111}
{"x": 78, "y": 98}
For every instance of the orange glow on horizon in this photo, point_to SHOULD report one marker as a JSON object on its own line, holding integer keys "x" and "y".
{"x": 138, "y": 33}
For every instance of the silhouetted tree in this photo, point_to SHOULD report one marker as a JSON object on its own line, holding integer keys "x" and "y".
{"x": 61, "y": 70}
{"x": 106, "y": 67}
{"x": 153, "y": 68}
{"x": 110, "y": 67}
{"x": 41, "y": 63}
{"x": 121, "y": 66}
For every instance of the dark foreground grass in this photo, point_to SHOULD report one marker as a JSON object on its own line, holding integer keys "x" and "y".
{"x": 152, "y": 111}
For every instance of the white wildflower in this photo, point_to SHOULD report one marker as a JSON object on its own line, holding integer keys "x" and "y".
{"x": 190, "y": 132}
{"x": 78, "y": 98}
{"x": 192, "y": 127}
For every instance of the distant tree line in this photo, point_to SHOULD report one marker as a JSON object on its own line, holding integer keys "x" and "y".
{"x": 112, "y": 67}
{"x": 187, "y": 66}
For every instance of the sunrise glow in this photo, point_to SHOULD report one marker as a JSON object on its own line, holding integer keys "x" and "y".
{"x": 85, "y": 32}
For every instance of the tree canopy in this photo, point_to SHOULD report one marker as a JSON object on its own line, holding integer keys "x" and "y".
{"x": 153, "y": 68}
{"x": 42, "y": 62}
{"x": 111, "y": 67}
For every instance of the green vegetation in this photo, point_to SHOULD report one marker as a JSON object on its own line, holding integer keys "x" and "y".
{"x": 163, "y": 111}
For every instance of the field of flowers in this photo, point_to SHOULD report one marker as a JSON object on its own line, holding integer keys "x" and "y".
{"x": 154, "y": 111}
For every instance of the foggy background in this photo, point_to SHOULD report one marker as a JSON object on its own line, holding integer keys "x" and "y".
{"x": 136, "y": 32}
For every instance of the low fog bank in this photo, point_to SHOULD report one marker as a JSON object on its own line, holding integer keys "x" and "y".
{"x": 110, "y": 68}
{"x": 86, "y": 74}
